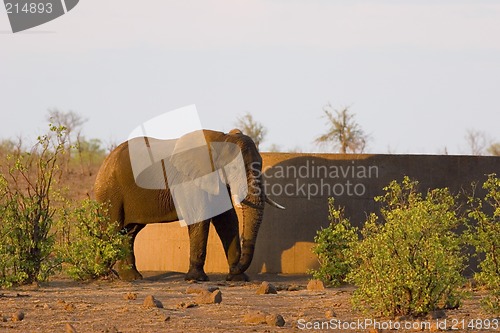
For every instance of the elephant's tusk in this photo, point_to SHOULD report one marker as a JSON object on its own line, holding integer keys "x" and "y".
{"x": 273, "y": 203}
{"x": 250, "y": 204}
{"x": 269, "y": 201}
{"x": 236, "y": 201}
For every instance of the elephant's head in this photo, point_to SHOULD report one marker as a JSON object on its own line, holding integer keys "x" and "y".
{"x": 252, "y": 205}
{"x": 198, "y": 168}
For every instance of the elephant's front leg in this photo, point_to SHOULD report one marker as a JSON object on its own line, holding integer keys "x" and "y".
{"x": 227, "y": 227}
{"x": 198, "y": 236}
{"x": 126, "y": 268}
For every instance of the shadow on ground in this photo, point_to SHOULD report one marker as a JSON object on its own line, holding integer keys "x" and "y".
{"x": 151, "y": 276}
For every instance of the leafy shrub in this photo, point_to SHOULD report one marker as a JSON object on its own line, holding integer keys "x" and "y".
{"x": 333, "y": 246}
{"x": 409, "y": 261}
{"x": 27, "y": 211}
{"x": 90, "y": 243}
{"x": 484, "y": 235}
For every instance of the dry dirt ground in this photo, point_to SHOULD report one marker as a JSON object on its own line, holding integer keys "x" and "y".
{"x": 62, "y": 305}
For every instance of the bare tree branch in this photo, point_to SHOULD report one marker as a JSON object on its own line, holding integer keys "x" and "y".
{"x": 252, "y": 128}
{"x": 344, "y": 133}
{"x": 477, "y": 141}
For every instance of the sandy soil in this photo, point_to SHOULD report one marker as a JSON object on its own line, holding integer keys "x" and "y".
{"x": 62, "y": 305}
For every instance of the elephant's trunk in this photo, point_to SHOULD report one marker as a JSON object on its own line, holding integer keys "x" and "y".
{"x": 252, "y": 214}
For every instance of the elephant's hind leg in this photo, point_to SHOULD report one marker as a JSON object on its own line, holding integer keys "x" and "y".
{"x": 126, "y": 268}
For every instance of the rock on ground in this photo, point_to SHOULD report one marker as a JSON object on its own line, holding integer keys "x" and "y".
{"x": 184, "y": 305}
{"x": 266, "y": 288}
{"x": 151, "y": 302}
{"x": 207, "y": 297}
{"x": 329, "y": 314}
{"x": 130, "y": 296}
{"x": 314, "y": 285}
{"x": 275, "y": 320}
{"x": 18, "y": 316}
{"x": 259, "y": 317}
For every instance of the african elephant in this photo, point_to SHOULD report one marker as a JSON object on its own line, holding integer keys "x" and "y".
{"x": 134, "y": 201}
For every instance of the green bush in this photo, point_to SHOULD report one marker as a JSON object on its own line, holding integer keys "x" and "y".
{"x": 484, "y": 235}
{"x": 27, "y": 211}
{"x": 333, "y": 246}
{"x": 89, "y": 243}
{"x": 409, "y": 261}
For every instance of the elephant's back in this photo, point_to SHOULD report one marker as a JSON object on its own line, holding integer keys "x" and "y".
{"x": 110, "y": 174}
{"x": 115, "y": 183}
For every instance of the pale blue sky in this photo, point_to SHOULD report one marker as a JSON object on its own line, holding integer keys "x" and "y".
{"x": 417, "y": 74}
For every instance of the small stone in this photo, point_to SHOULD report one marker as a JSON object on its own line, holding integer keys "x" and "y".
{"x": 293, "y": 287}
{"x": 167, "y": 318}
{"x": 266, "y": 288}
{"x": 184, "y": 305}
{"x": 3, "y": 318}
{"x": 70, "y": 328}
{"x": 257, "y": 317}
{"x": 207, "y": 297}
{"x": 275, "y": 320}
{"x": 69, "y": 307}
{"x": 314, "y": 285}
{"x": 130, "y": 296}
{"x": 329, "y": 314}
{"x": 18, "y": 316}
{"x": 152, "y": 302}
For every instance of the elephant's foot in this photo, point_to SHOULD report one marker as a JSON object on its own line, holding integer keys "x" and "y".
{"x": 196, "y": 275}
{"x": 237, "y": 277}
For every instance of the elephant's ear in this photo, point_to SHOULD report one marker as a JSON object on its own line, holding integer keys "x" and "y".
{"x": 191, "y": 162}
{"x": 228, "y": 159}
{"x": 196, "y": 186}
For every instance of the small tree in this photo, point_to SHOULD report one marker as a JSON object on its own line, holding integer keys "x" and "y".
{"x": 344, "y": 133}
{"x": 252, "y": 128}
{"x": 90, "y": 152}
{"x": 494, "y": 149}
{"x": 410, "y": 259}
{"x": 72, "y": 122}
{"x": 484, "y": 235}
{"x": 89, "y": 243}
{"x": 8, "y": 147}
{"x": 73, "y": 138}
{"x": 477, "y": 141}
{"x": 27, "y": 211}
{"x": 333, "y": 247}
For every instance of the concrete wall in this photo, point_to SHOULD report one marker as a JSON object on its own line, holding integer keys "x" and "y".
{"x": 302, "y": 183}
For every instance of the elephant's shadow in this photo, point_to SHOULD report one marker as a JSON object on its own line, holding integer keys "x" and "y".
{"x": 286, "y": 238}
